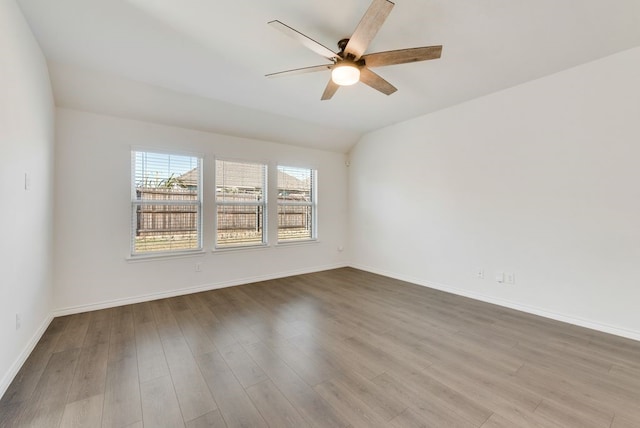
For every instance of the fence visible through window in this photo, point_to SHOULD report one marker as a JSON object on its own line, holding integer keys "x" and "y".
{"x": 296, "y": 203}
{"x": 164, "y": 227}
{"x": 166, "y": 202}
{"x": 241, "y": 201}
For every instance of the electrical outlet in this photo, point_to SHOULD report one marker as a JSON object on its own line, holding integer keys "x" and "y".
{"x": 198, "y": 267}
{"x": 510, "y": 278}
{"x": 500, "y": 277}
{"x": 480, "y": 273}
{"x": 18, "y": 321}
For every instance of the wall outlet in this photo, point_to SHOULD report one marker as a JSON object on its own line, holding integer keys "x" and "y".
{"x": 18, "y": 321}
{"x": 198, "y": 267}
{"x": 479, "y": 273}
{"x": 500, "y": 277}
{"x": 510, "y": 278}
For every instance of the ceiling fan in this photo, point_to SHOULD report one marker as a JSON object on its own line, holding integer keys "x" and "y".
{"x": 350, "y": 65}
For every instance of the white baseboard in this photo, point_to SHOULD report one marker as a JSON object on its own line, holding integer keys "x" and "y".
{"x": 605, "y": 328}
{"x": 189, "y": 290}
{"x": 17, "y": 364}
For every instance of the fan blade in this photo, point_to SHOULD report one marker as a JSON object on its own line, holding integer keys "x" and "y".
{"x": 368, "y": 27}
{"x": 301, "y": 70}
{"x": 306, "y": 41}
{"x": 402, "y": 56}
{"x": 329, "y": 90}
{"x": 370, "y": 78}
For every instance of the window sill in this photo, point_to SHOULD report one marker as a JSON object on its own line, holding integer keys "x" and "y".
{"x": 241, "y": 248}
{"x": 286, "y": 244}
{"x": 164, "y": 256}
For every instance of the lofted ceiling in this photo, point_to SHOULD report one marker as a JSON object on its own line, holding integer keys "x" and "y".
{"x": 201, "y": 64}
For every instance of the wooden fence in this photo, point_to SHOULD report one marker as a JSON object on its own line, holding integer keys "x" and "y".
{"x": 176, "y": 217}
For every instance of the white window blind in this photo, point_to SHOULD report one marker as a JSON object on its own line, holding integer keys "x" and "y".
{"x": 241, "y": 199}
{"x": 296, "y": 203}
{"x": 166, "y": 203}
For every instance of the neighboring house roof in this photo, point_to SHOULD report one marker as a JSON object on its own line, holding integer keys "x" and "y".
{"x": 189, "y": 178}
{"x": 289, "y": 182}
{"x": 242, "y": 175}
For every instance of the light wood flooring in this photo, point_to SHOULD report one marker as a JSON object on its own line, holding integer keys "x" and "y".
{"x": 340, "y": 348}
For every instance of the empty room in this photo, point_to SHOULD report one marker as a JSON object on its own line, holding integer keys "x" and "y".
{"x": 356, "y": 213}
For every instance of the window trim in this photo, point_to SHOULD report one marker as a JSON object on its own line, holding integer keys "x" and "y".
{"x": 264, "y": 203}
{"x": 198, "y": 203}
{"x": 313, "y": 204}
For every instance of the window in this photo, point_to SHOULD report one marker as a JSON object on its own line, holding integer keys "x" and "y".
{"x": 241, "y": 200}
{"x": 166, "y": 203}
{"x": 296, "y": 204}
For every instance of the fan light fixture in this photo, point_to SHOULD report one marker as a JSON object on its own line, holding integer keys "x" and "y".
{"x": 345, "y": 74}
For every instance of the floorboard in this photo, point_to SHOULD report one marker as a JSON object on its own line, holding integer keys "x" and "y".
{"x": 340, "y": 348}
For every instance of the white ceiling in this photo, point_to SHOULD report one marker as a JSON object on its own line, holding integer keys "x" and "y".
{"x": 184, "y": 62}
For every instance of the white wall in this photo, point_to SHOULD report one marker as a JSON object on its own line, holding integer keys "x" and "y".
{"x": 26, "y": 146}
{"x": 542, "y": 180}
{"x": 92, "y": 216}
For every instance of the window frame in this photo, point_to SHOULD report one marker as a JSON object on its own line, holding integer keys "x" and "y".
{"x": 135, "y": 202}
{"x": 312, "y": 204}
{"x": 263, "y": 203}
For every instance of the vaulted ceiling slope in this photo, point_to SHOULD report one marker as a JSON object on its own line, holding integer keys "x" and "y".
{"x": 201, "y": 64}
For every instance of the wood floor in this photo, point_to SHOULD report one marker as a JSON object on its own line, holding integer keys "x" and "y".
{"x": 341, "y": 348}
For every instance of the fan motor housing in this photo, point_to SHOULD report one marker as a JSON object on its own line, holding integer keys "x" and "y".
{"x": 343, "y": 44}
